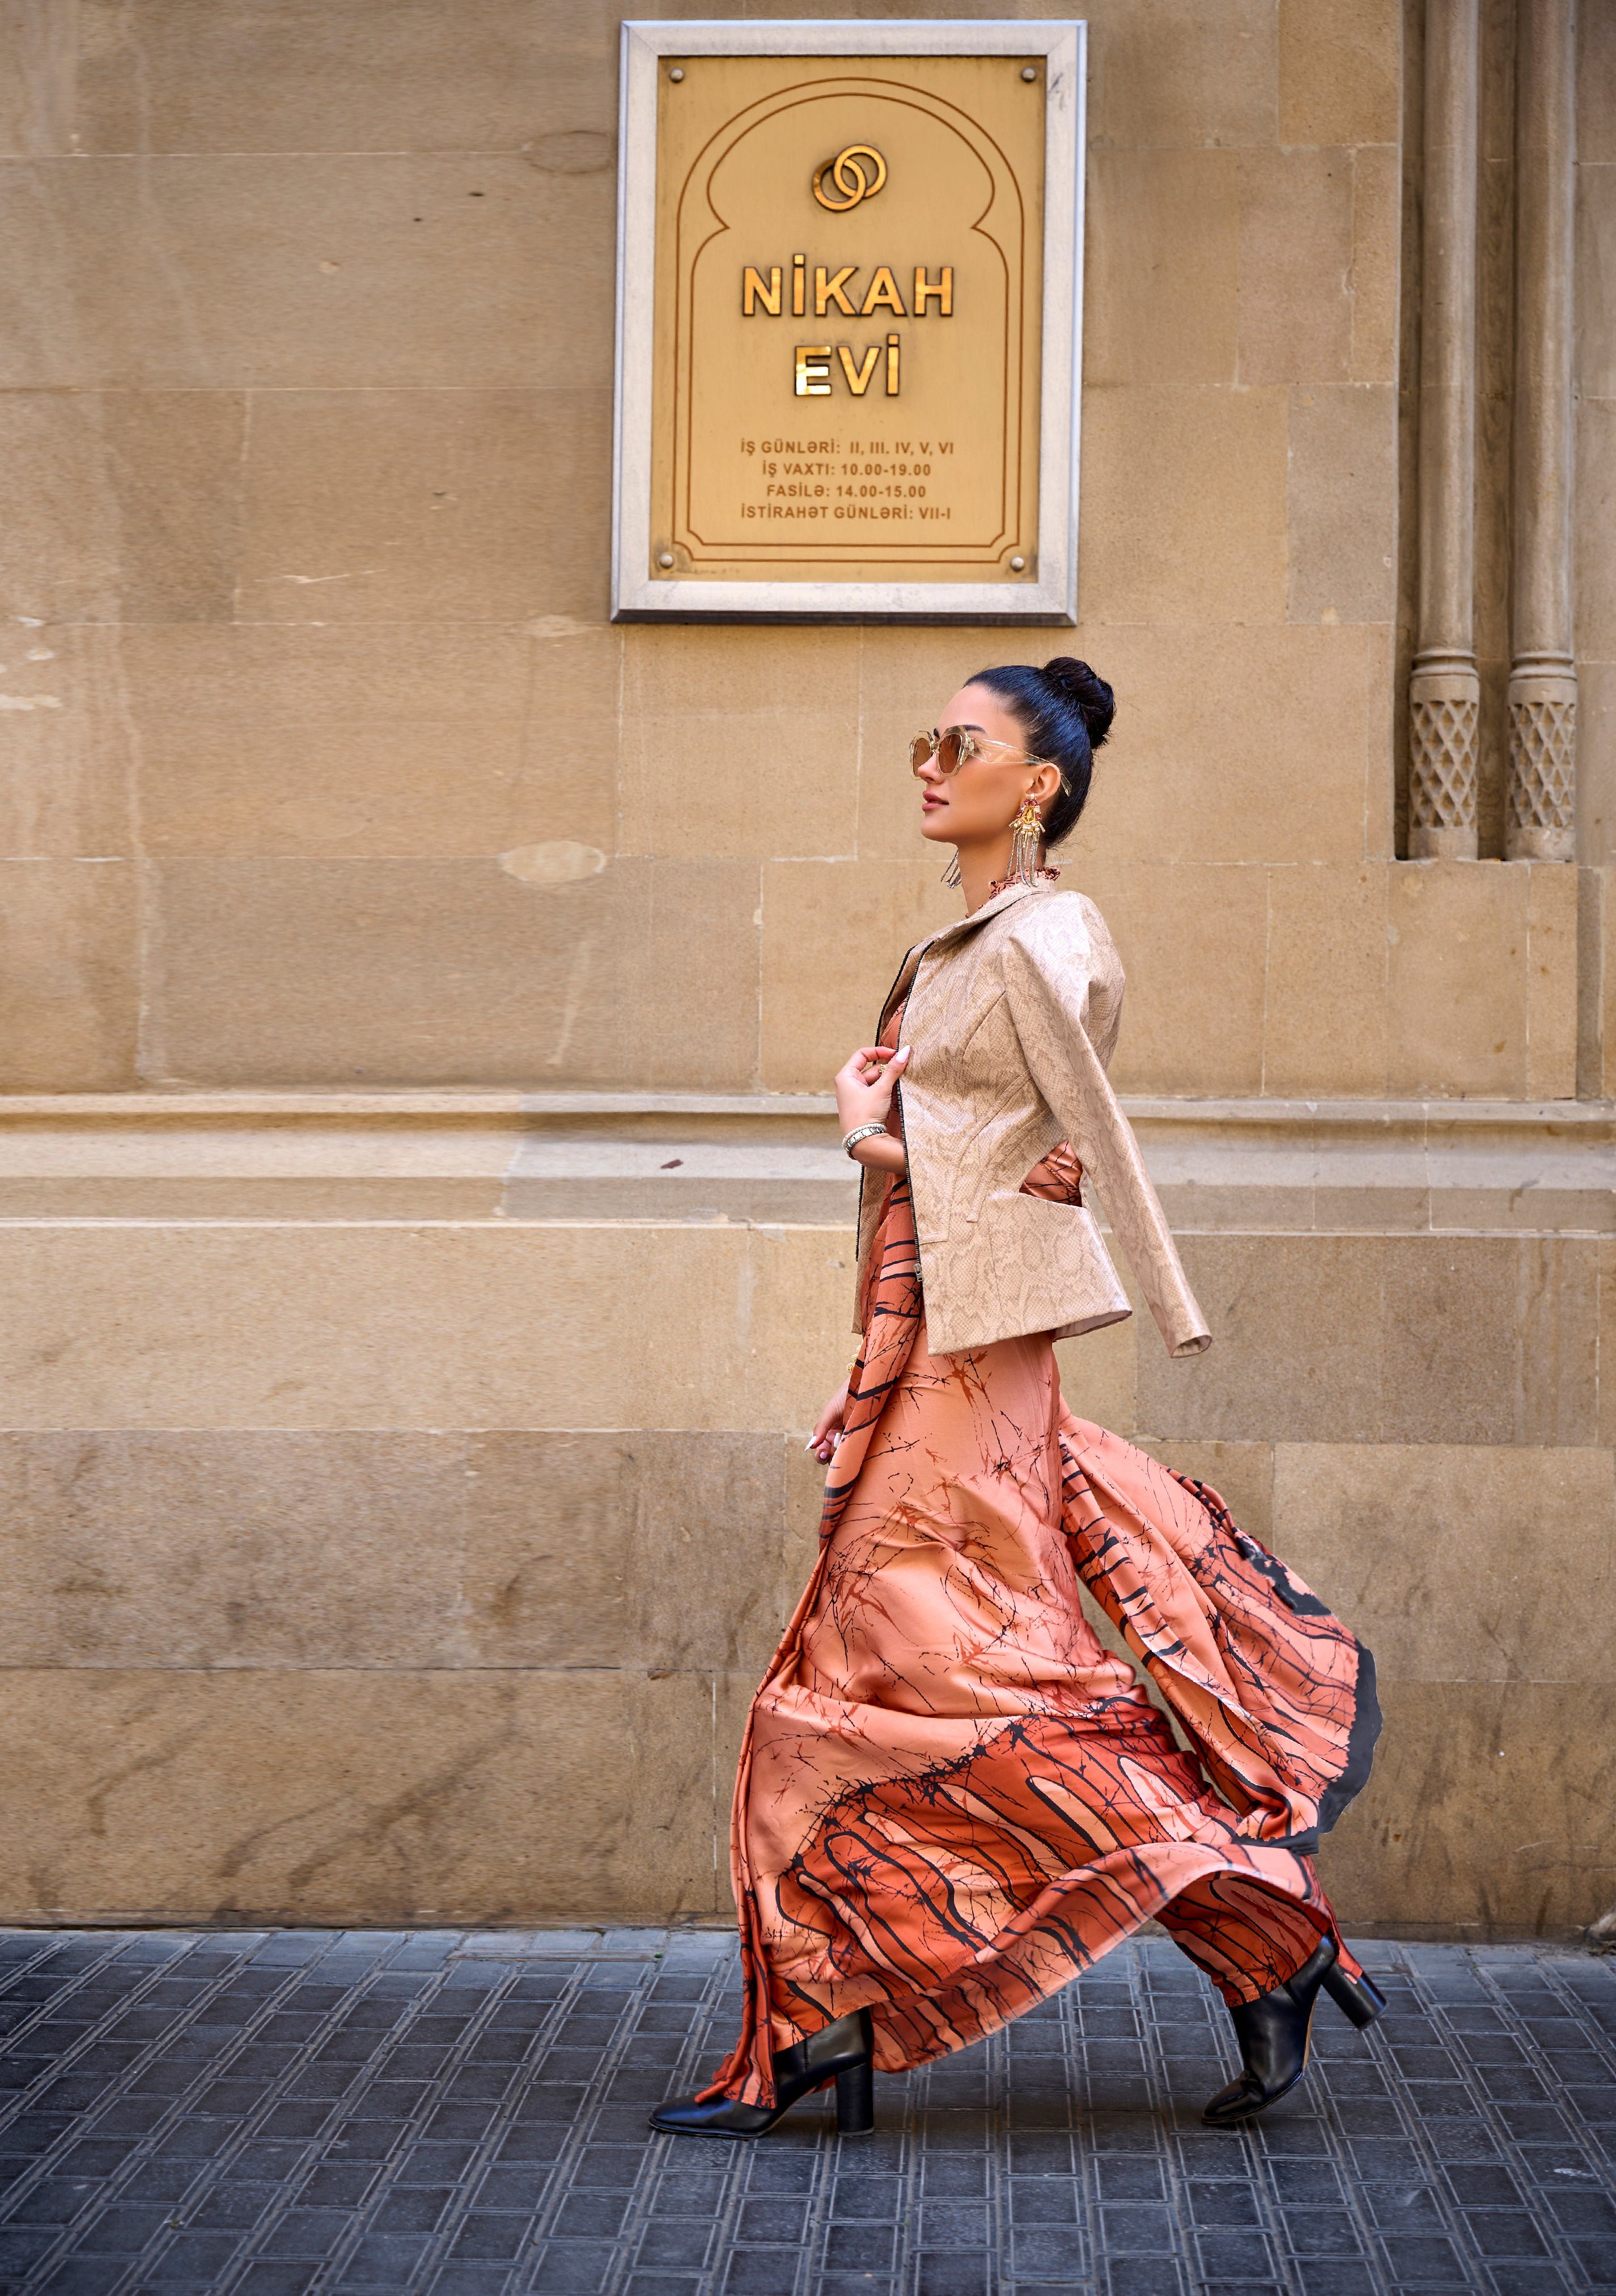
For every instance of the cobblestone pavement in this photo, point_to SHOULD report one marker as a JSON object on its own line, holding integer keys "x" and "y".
{"x": 286, "y": 2111}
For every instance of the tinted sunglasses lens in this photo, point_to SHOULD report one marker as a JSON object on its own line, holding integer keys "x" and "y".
{"x": 950, "y": 749}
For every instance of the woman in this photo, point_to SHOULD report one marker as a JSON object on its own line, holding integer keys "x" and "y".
{"x": 951, "y": 1798}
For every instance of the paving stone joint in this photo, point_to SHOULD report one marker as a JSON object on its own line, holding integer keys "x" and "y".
{"x": 285, "y": 2113}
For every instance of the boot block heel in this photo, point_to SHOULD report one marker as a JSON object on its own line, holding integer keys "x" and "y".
{"x": 1358, "y": 1998}
{"x": 855, "y": 2101}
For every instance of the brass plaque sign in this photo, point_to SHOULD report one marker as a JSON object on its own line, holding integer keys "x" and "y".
{"x": 848, "y": 303}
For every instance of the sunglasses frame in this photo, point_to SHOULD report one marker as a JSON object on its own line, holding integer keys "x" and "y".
{"x": 971, "y": 745}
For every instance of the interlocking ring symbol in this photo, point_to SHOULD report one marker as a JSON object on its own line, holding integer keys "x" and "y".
{"x": 851, "y": 176}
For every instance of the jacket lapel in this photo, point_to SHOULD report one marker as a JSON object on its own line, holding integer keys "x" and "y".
{"x": 1007, "y": 899}
{"x": 947, "y": 934}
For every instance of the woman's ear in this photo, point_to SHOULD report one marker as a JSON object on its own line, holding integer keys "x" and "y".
{"x": 1046, "y": 784}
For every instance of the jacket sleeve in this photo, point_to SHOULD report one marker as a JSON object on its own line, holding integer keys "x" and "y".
{"x": 1046, "y": 979}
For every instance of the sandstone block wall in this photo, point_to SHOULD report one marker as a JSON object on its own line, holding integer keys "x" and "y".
{"x": 400, "y": 1477}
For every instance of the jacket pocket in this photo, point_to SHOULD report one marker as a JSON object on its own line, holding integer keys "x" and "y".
{"x": 1028, "y": 1265}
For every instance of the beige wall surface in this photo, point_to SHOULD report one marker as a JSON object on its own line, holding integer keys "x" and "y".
{"x": 377, "y": 1591}
{"x": 308, "y": 374}
{"x": 396, "y": 1504}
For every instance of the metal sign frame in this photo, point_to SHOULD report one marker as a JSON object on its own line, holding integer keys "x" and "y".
{"x": 1053, "y": 596}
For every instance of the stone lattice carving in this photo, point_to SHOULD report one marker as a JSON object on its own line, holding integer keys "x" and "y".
{"x": 1442, "y": 765}
{"x": 1543, "y": 763}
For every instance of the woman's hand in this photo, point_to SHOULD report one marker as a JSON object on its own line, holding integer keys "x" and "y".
{"x": 828, "y": 1427}
{"x": 863, "y": 1085}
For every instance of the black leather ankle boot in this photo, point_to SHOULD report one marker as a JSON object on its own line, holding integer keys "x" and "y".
{"x": 840, "y": 2053}
{"x": 1273, "y": 2036}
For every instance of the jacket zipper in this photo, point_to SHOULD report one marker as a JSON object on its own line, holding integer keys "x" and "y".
{"x": 903, "y": 1126}
{"x": 898, "y": 1088}
{"x": 863, "y": 1171}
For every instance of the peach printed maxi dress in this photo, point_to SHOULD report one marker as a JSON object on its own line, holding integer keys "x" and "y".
{"x": 952, "y": 1798}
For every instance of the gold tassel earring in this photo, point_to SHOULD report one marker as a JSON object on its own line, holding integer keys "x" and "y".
{"x": 951, "y": 875}
{"x": 1027, "y": 834}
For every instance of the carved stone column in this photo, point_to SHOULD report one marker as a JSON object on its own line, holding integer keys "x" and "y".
{"x": 1540, "y": 819}
{"x": 1444, "y": 690}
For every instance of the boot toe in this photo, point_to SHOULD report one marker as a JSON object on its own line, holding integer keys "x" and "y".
{"x": 1243, "y": 2100}
{"x": 713, "y": 2116}
{"x": 1246, "y": 2096}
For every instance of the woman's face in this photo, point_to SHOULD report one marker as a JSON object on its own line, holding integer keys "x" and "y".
{"x": 977, "y": 804}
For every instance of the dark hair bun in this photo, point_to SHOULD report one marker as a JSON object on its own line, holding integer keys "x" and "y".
{"x": 1065, "y": 711}
{"x": 1088, "y": 690}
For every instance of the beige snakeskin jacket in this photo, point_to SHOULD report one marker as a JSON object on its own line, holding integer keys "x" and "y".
{"x": 1012, "y": 1017}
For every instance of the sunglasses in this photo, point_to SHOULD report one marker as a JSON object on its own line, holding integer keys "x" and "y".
{"x": 954, "y": 746}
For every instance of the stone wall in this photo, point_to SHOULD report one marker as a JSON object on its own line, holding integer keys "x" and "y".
{"x": 406, "y": 1479}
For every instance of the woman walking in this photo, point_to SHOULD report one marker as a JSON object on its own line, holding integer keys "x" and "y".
{"x": 952, "y": 1798}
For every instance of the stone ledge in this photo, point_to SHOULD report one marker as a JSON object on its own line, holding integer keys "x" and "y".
{"x": 1397, "y": 1166}
{"x": 472, "y": 1103}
